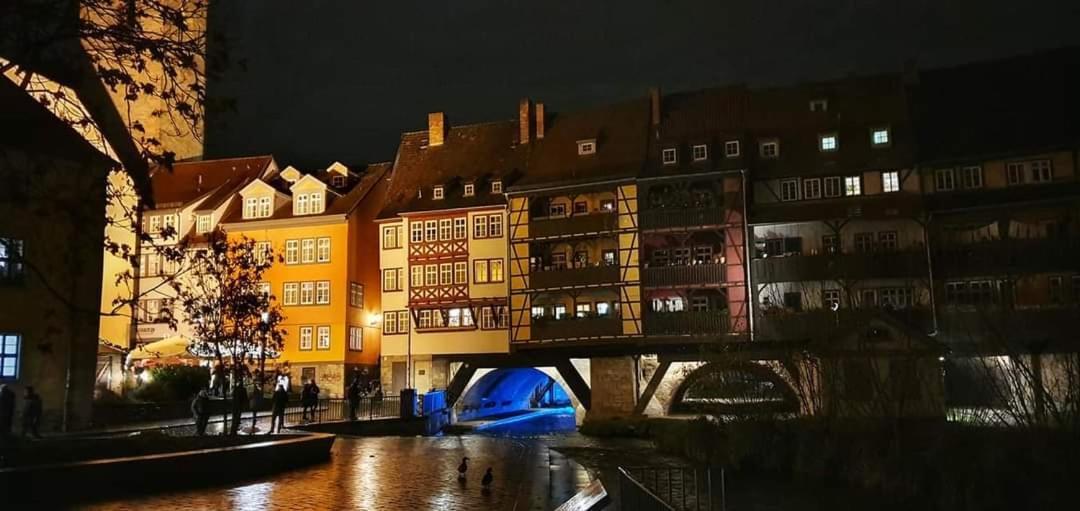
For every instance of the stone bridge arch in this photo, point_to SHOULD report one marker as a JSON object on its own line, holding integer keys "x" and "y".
{"x": 736, "y": 386}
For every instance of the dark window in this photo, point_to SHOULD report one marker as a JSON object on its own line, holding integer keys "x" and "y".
{"x": 793, "y": 300}
{"x": 792, "y": 246}
{"x": 830, "y": 244}
{"x": 581, "y": 207}
{"x": 864, "y": 242}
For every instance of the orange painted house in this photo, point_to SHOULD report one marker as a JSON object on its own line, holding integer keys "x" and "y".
{"x": 326, "y": 277}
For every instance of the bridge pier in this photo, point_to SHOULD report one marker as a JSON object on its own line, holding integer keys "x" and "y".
{"x": 614, "y": 387}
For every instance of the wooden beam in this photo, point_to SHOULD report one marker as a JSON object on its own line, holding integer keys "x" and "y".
{"x": 457, "y": 385}
{"x": 650, "y": 388}
{"x": 577, "y": 384}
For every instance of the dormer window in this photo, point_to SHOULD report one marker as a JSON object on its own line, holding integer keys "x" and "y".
{"x": 202, "y": 224}
{"x": 470, "y": 189}
{"x": 496, "y": 186}
{"x": 819, "y": 105}
{"x": 731, "y": 149}
{"x": 338, "y": 181}
{"x": 300, "y": 206}
{"x": 437, "y": 193}
{"x": 669, "y": 156}
{"x": 308, "y": 203}
{"x": 828, "y": 142}
{"x": 770, "y": 148}
{"x": 700, "y": 152}
{"x": 585, "y": 147}
{"x": 879, "y": 137}
{"x": 257, "y": 207}
{"x": 317, "y": 204}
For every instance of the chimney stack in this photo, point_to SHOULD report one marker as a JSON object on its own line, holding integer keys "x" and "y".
{"x": 539, "y": 120}
{"x": 654, "y": 105}
{"x": 525, "y": 120}
{"x": 436, "y": 129}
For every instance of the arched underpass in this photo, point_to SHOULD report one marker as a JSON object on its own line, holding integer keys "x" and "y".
{"x": 733, "y": 389}
{"x": 517, "y": 400}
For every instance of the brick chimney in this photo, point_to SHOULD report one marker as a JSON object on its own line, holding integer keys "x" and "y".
{"x": 654, "y": 105}
{"x": 539, "y": 120}
{"x": 525, "y": 120}
{"x": 436, "y": 128}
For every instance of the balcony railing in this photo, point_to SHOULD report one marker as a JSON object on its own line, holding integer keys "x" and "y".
{"x": 1001, "y": 257}
{"x": 572, "y": 225}
{"x": 687, "y": 323}
{"x": 884, "y": 265}
{"x": 688, "y": 275}
{"x": 681, "y": 218}
{"x": 587, "y": 276}
{"x": 570, "y": 328}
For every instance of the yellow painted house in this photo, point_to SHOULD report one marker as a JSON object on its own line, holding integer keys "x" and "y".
{"x": 319, "y": 226}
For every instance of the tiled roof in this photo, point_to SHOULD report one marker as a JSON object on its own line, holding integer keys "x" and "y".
{"x": 621, "y": 131}
{"x": 29, "y": 126}
{"x": 336, "y": 204}
{"x": 475, "y": 153}
{"x": 710, "y": 117}
{"x": 1025, "y": 103}
{"x": 190, "y": 181}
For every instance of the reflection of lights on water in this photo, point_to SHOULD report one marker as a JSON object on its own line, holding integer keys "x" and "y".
{"x": 252, "y": 496}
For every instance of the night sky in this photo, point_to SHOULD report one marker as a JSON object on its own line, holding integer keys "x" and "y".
{"x": 340, "y": 80}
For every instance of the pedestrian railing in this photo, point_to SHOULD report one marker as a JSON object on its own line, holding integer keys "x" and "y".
{"x": 671, "y": 488}
{"x": 325, "y": 410}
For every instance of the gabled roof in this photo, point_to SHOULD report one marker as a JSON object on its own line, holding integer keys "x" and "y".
{"x": 711, "y": 117}
{"x": 336, "y": 204}
{"x": 475, "y": 153}
{"x": 215, "y": 179}
{"x": 30, "y": 127}
{"x": 621, "y": 132}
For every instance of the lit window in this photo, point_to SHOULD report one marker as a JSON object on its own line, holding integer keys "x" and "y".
{"x": 264, "y": 207}
{"x": 971, "y": 177}
{"x": 585, "y": 147}
{"x": 828, "y": 142}
{"x": 323, "y": 250}
{"x": 607, "y": 205}
{"x": 879, "y": 137}
{"x": 461, "y": 275}
{"x": 392, "y": 236}
{"x": 470, "y": 189}
{"x": 300, "y": 207}
{"x": 251, "y": 207}
{"x": 833, "y": 187}
{"x": 890, "y": 181}
{"x": 603, "y": 309}
{"x": 770, "y": 149}
{"x": 852, "y": 186}
{"x": 316, "y": 203}
{"x": 496, "y": 186}
{"x": 11, "y": 267}
{"x": 1041, "y": 171}
{"x": 536, "y": 311}
{"x": 487, "y": 318}
{"x": 446, "y": 229}
{"x": 262, "y": 252}
{"x": 305, "y": 337}
{"x": 944, "y": 180}
{"x": 356, "y": 338}
{"x": 495, "y": 267}
{"x": 559, "y": 311}
{"x": 700, "y": 152}
{"x": 582, "y": 310}
{"x": 819, "y": 105}
{"x": 202, "y": 224}
{"x": 425, "y": 318}
{"x": 446, "y": 274}
{"x": 324, "y": 338}
{"x": 789, "y": 190}
{"x": 416, "y": 275}
{"x": 392, "y": 279}
{"x": 812, "y": 188}
{"x": 431, "y": 275}
{"x": 731, "y": 148}
{"x": 669, "y": 156}
{"x": 495, "y": 226}
{"x": 437, "y": 193}
{"x": 480, "y": 271}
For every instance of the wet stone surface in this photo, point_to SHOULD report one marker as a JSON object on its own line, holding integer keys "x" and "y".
{"x": 390, "y": 473}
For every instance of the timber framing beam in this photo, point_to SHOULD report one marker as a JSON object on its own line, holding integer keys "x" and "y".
{"x": 650, "y": 388}
{"x": 577, "y": 384}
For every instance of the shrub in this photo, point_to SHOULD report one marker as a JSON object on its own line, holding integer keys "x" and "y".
{"x": 173, "y": 383}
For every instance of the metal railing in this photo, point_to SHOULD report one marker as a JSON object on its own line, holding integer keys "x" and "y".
{"x": 573, "y": 327}
{"x": 671, "y": 489}
{"x": 325, "y": 410}
{"x": 576, "y": 224}
{"x": 565, "y": 277}
{"x": 687, "y": 323}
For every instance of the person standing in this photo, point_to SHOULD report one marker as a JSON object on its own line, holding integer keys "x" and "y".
{"x": 239, "y": 402}
{"x": 305, "y": 400}
{"x": 199, "y": 408}
{"x": 277, "y": 415}
{"x": 256, "y": 404}
{"x": 354, "y": 397}
{"x": 314, "y": 398}
{"x": 7, "y": 411}
{"x": 32, "y": 412}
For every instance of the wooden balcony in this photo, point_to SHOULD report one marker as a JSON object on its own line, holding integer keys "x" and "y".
{"x": 591, "y": 223}
{"x": 660, "y": 219}
{"x": 574, "y": 328}
{"x": 692, "y": 323}
{"x": 574, "y": 277}
{"x": 854, "y": 266}
{"x": 1006, "y": 257}
{"x": 683, "y": 276}
{"x": 998, "y": 328}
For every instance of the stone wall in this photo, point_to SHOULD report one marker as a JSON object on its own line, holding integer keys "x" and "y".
{"x": 613, "y": 387}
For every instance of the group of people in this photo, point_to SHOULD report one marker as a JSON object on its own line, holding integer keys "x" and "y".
{"x": 31, "y": 418}
{"x": 358, "y": 391}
